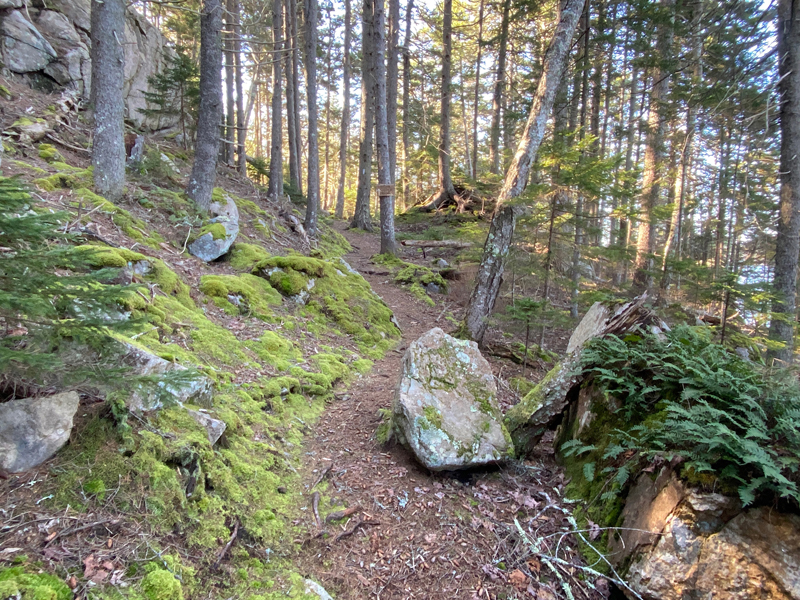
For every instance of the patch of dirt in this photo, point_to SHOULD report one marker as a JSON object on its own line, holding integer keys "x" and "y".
{"x": 417, "y": 534}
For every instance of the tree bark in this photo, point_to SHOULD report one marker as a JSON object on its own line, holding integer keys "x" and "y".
{"x": 361, "y": 217}
{"x": 391, "y": 83}
{"x": 787, "y": 243}
{"x": 406, "y": 100}
{"x": 241, "y": 128}
{"x": 344, "y": 134}
{"x": 275, "y": 189}
{"x": 108, "y": 64}
{"x": 325, "y": 187}
{"x": 501, "y": 231}
{"x": 292, "y": 123}
{"x": 477, "y": 93}
{"x": 385, "y": 175}
{"x": 499, "y": 88}
{"x": 446, "y": 190}
{"x": 312, "y": 192}
{"x": 654, "y": 154}
{"x": 230, "y": 99}
{"x": 204, "y": 172}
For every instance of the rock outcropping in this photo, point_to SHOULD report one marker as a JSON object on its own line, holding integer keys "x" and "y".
{"x": 705, "y": 546}
{"x": 48, "y": 43}
{"x": 34, "y": 429}
{"x": 445, "y": 407}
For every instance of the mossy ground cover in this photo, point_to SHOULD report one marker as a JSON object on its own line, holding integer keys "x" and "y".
{"x": 415, "y": 277}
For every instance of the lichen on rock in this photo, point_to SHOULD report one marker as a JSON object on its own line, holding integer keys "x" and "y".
{"x": 445, "y": 406}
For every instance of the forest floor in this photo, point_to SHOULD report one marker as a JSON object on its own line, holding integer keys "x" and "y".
{"x": 416, "y": 534}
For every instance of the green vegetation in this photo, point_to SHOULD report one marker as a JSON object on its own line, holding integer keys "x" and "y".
{"x": 49, "y": 153}
{"x": 252, "y": 294}
{"x": 733, "y": 425}
{"x": 16, "y": 583}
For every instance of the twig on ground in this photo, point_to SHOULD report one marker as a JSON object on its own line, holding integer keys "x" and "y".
{"x": 352, "y": 530}
{"x": 315, "y": 508}
{"x": 323, "y": 474}
{"x": 75, "y": 530}
{"x": 227, "y": 547}
{"x": 341, "y": 514}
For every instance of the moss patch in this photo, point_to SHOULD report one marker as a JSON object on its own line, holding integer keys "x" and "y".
{"x": 241, "y": 294}
{"x": 15, "y": 582}
{"x": 49, "y": 153}
{"x": 244, "y": 257}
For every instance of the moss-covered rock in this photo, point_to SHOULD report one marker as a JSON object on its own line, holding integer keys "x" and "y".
{"x": 241, "y": 294}
{"x": 16, "y": 582}
{"x": 49, "y": 153}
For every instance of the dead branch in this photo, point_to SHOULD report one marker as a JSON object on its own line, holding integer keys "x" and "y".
{"x": 75, "y": 530}
{"x": 352, "y": 530}
{"x": 341, "y": 514}
{"x": 315, "y": 508}
{"x": 323, "y": 474}
{"x": 436, "y": 244}
{"x": 227, "y": 547}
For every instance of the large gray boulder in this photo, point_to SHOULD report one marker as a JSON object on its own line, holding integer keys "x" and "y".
{"x": 445, "y": 407}
{"x": 24, "y": 49}
{"x": 196, "y": 390}
{"x": 34, "y": 429}
{"x": 221, "y": 231}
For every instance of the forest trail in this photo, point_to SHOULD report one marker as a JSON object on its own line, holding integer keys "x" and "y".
{"x": 422, "y": 534}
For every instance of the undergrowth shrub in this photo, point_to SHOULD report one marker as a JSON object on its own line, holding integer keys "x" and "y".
{"x": 732, "y": 423}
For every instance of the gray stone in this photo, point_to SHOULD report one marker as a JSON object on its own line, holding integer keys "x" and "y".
{"x": 445, "y": 407}
{"x": 197, "y": 390}
{"x": 432, "y": 288}
{"x": 214, "y": 427}
{"x": 10, "y": 4}
{"x": 34, "y": 429}
{"x": 312, "y": 587}
{"x": 30, "y": 130}
{"x": 24, "y": 49}
{"x": 137, "y": 152}
{"x": 441, "y": 263}
{"x": 206, "y": 247}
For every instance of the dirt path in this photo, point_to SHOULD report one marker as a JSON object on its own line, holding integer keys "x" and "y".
{"x": 422, "y": 535}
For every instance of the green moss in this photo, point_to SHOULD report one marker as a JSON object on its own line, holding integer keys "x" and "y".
{"x": 246, "y": 256}
{"x": 217, "y": 231}
{"x": 103, "y": 256}
{"x": 70, "y": 178}
{"x": 255, "y": 296}
{"x": 39, "y": 586}
{"x": 362, "y": 365}
{"x": 162, "y": 585}
{"x": 330, "y": 244}
{"x": 288, "y": 281}
{"x": 433, "y": 416}
{"x": 31, "y": 168}
{"x": 27, "y": 122}
{"x": 276, "y": 350}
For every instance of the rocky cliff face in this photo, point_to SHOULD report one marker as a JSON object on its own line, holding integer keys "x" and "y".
{"x": 49, "y": 43}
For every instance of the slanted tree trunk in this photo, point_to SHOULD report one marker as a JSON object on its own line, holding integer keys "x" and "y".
{"x": 501, "y": 231}
{"x": 344, "y": 135}
{"x": 406, "y": 100}
{"x": 477, "y": 93}
{"x": 654, "y": 154}
{"x": 275, "y": 189}
{"x": 787, "y": 244}
{"x": 499, "y": 90}
{"x": 391, "y": 84}
{"x": 447, "y": 192}
{"x": 312, "y": 193}
{"x": 108, "y": 64}
{"x": 361, "y": 217}
{"x": 385, "y": 176}
{"x": 204, "y": 171}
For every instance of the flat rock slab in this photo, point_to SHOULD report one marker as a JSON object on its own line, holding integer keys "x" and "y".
{"x": 34, "y": 429}
{"x": 445, "y": 408}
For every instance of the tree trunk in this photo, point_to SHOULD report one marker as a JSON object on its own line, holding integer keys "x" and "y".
{"x": 275, "y": 189}
{"x": 230, "y": 98}
{"x": 446, "y": 190}
{"x": 108, "y": 64}
{"x": 204, "y": 172}
{"x": 654, "y": 154}
{"x": 787, "y": 244}
{"x": 477, "y": 93}
{"x": 344, "y": 134}
{"x": 325, "y": 187}
{"x": 312, "y": 193}
{"x": 241, "y": 128}
{"x": 501, "y": 231}
{"x": 385, "y": 176}
{"x": 391, "y": 84}
{"x": 292, "y": 124}
{"x": 499, "y": 88}
{"x": 406, "y": 99}
{"x": 298, "y": 130}
{"x": 361, "y": 217}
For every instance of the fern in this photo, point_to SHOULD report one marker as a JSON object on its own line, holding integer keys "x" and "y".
{"x": 691, "y": 398}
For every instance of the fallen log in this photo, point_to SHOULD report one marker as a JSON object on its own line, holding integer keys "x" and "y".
{"x": 540, "y": 409}
{"x": 436, "y": 244}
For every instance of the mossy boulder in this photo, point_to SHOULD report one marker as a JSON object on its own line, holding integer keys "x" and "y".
{"x": 49, "y": 153}
{"x": 218, "y": 234}
{"x": 445, "y": 407}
